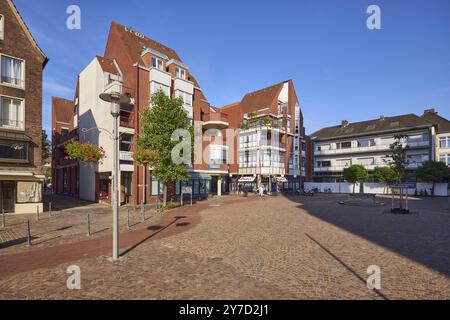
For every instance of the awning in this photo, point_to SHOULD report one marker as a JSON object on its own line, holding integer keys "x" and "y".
{"x": 282, "y": 179}
{"x": 246, "y": 179}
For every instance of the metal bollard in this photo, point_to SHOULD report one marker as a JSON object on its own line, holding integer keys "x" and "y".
{"x": 50, "y": 209}
{"x": 28, "y": 233}
{"x": 37, "y": 213}
{"x": 142, "y": 213}
{"x": 88, "y": 222}
{"x": 3, "y": 218}
{"x": 128, "y": 218}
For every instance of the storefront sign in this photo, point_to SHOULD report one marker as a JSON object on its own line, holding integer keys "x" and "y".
{"x": 247, "y": 179}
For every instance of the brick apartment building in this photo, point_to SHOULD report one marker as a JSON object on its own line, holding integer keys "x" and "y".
{"x": 22, "y": 63}
{"x": 138, "y": 67}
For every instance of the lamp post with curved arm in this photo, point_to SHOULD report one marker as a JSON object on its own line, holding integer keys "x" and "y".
{"x": 115, "y": 99}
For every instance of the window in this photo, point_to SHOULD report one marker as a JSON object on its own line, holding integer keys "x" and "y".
{"x": 157, "y": 187}
{"x": 157, "y": 63}
{"x": 180, "y": 73}
{"x": 366, "y": 143}
{"x": 29, "y": 192}
{"x": 64, "y": 132}
{"x": 11, "y": 113}
{"x": 443, "y": 158}
{"x": 323, "y": 164}
{"x": 126, "y": 141}
{"x": 344, "y": 145}
{"x": 13, "y": 150}
{"x": 187, "y": 98}
{"x": 444, "y": 142}
{"x": 12, "y": 71}
{"x": 158, "y": 86}
{"x": 2, "y": 27}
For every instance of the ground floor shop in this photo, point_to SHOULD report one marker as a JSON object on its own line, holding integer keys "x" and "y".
{"x": 21, "y": 192}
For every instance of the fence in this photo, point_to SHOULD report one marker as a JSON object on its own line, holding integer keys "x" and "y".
{"x": 440, "y": 189}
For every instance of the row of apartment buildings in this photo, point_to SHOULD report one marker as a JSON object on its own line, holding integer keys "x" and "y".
{"x": 368, "y": 143}
{"x": 137, "y": 66}
{"x": 21, "y": 66}
{"x": 270, "y": 147}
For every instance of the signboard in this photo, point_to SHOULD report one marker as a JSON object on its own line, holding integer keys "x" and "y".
{"x": 186, "y": 189}
{"x": 403, "y": 185}
{"x": 214, "y": 166}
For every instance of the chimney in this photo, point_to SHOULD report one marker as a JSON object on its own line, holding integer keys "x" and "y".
{"x": 432, "y": 110}
{"x": 344, "y": 123}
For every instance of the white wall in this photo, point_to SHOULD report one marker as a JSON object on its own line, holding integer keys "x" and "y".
{"x": 94, "y": 113}
{"x": 373, "y": 188}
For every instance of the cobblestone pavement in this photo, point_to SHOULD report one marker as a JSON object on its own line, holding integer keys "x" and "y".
{"x": 270, "y": 248}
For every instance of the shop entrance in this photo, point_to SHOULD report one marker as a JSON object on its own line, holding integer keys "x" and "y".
{"x": 7, "y": 195}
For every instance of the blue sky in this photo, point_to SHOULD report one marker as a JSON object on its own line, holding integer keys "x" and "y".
{"x": 341, "y": 69}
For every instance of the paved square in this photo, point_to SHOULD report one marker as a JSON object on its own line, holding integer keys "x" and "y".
{"x": 261, "y": 248}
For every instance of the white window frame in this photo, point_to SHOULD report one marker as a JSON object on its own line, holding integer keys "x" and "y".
{"x": 180, "y": 73}
{"x": 2, "y": 27}
{"x": 157, "y": 61}
{"x": 22, "y": 84}
{"x": 21, "y": 127}
{"x": 155, "y": 83}
{"x": 182, "y": 94}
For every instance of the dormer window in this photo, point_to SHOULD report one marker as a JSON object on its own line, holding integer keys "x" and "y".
{"x": 157, "y": 63}
{"x": 2, "y": 27}
{"x": 180, "y": 73}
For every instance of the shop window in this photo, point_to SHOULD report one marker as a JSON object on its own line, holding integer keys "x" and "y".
{"x": 29, "y": 192}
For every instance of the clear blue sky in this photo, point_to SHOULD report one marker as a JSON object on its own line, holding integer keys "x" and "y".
{"x": 341, "y": 69}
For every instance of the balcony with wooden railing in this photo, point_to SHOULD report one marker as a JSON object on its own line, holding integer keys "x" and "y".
{"x": 215, "y": 120}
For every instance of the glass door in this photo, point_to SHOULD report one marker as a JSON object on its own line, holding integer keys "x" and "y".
{"x": 7, "y": 195}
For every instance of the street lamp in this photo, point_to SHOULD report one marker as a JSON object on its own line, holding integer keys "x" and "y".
{"x": 115, "y": 99}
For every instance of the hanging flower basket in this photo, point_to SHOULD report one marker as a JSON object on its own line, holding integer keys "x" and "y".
{"x": 86, "y": 152}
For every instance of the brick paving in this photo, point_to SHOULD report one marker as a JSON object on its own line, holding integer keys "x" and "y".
{"x": 270, "y": 248}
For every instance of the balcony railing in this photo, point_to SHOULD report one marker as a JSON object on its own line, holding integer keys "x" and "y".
{"x": 412, "y": 165}
{"x": 262, "y": 122}
{"x": 380, "y": 147}
{"x": 117, "y": 86}
{"x": 215, "y": 120}
{"x": 126, "y": 155}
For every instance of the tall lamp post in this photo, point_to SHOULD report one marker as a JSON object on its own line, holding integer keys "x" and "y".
{"x": 115, "y": 99}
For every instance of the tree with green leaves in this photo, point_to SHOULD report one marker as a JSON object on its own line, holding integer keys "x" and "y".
{"x": 434, "y": 172}
{"x": 46, "y": 147}
{"x": 355, "y": 173}
{"x": 159, "y": 122}
{"x": 398, "y": 159}
{"x": 384, "y": 175}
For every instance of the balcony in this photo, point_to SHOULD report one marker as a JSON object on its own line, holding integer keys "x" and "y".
{"x": 117, "y": 86}
{"x": 215, "y": 121}
{"x": 262, "y": 122}
{"x": 380, "y": 147}
{"x": 125, "y": 156}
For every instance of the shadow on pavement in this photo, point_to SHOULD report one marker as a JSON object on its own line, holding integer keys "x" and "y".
{"x": 423, "y": 237}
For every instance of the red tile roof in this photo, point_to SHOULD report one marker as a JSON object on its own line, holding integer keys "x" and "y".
{"x": 62, "y": 109}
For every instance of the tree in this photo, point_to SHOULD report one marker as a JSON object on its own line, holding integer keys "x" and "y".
{"x": 355, "y": 173}
{"x": 398, "y": 159}
{"x": 384, "y": 175}
{"x": 432, "y": 171}
{"x": 46, "y": 147}
{"x": 159, "y": 121}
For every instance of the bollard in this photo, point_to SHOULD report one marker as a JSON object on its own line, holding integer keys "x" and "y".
{"x": 37, "y": 213}
{"x": 142, "y": 213}
{"x": 3, "y": 218}
{"x": 50, "y": 209}
{"x": 88, "y": 221}
{"x": 128, "y": 218}
{"x": 28, "y": 233}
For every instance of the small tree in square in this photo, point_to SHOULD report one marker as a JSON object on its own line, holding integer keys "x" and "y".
{"x": 398, "y": 159}
{"x": 155, "y": 144}
{"x": 355, "y": 173}
{"x": 384, "y": 175}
